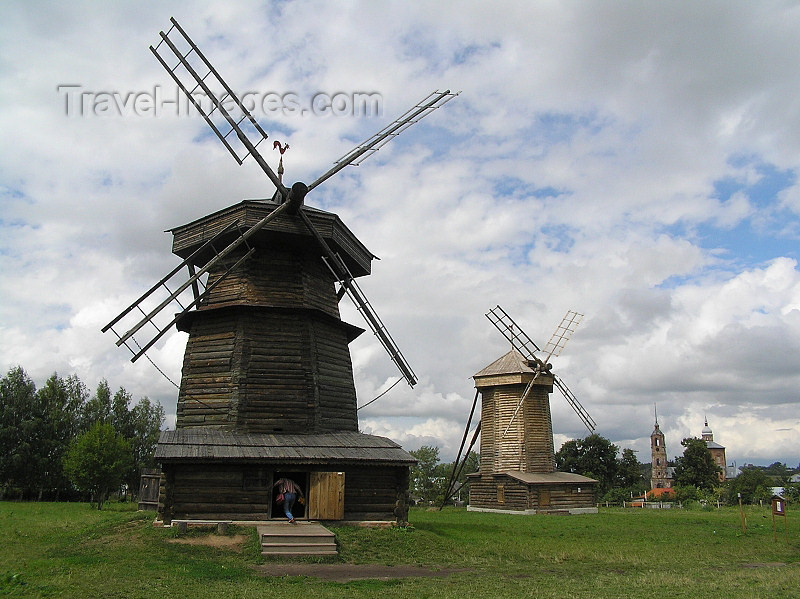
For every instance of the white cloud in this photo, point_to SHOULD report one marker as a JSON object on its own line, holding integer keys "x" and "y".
{"x": 577, "y": 169}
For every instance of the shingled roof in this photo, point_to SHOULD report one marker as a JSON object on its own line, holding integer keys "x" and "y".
{"x": 549, "y": 478}
{"x": 511, "y": 363}
{"x": 214, "y": 445}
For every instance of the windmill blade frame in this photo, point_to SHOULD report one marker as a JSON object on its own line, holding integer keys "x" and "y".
{"x": 524, "y": 345}
{"x": 562, "y": 334}
{"x": 194, "y": 277}
{"x": 200, "y": 82}
{"x": 588, "y": 421}
{"x": 372, "y": 144}
{"x": 342, "y": 274}
{"x": 518, "y": 338}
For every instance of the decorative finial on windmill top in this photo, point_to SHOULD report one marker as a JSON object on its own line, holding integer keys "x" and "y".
{"x": 276, "y": 145}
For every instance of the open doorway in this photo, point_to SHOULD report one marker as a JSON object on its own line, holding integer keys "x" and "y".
{"x": 299, "y": 509}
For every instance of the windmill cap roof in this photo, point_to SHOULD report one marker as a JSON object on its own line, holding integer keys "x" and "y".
{"x": 511, "y": 363}
{"x": 285, "y": 228}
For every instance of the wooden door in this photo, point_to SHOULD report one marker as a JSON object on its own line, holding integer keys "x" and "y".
{"x": 544, "y": 498}
{"x": 326, "y": 496}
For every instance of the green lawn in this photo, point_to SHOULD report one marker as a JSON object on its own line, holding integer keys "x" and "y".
{"x": 69, "y": 550}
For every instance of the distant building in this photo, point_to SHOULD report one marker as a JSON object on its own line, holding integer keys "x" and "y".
{"x": 717, "y": 451}
{"x": 662, "y": 475}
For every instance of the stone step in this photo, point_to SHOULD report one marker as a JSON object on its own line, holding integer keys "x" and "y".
{"x": 296, "y": 539}
{"x": 299, "y": 549}
{"x": 302, "y": 538}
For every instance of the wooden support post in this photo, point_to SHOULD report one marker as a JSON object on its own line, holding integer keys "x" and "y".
{"x": 774, "y": 532}
{"x": 741, "y": 513}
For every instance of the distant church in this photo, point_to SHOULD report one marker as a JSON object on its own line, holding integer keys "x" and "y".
{"x": 717, "y": 452}
{"x": 662, "y": 475}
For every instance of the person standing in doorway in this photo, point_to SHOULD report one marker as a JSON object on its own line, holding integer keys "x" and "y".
{"x": 290, "y": 491}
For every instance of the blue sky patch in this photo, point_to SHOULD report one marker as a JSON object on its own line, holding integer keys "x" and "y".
{"x": 772, "y": 231}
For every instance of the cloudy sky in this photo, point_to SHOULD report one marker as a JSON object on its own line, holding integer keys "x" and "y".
{"x": 634, "y": 161}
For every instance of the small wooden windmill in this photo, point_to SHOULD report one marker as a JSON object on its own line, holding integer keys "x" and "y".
{"x": 517, "y": 465}
{"x": 267, "y": 386}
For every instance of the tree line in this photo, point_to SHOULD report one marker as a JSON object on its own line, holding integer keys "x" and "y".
{"x": 696, "y": 477}
{"x": 56, "y": 440}
{"x": 620, "y": 474}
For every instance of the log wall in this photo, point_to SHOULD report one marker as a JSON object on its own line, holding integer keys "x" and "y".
{"x": 520, "y": 496}
{"x": 202, "y": 491}
{"x": 253, "y": 369}
{"x": 523, "y": 442}
{"x": 376, "y": 493}
{"x": 267, "y": 351}
{"x": 275, "y": 277}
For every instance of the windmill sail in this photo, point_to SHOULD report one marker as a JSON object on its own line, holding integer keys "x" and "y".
{"x": 228, "y": 115}
{"x": 511, "y": 331}
{"x": 523, "y": 344}
{"x": 562, "y": 334}
{"x": 240, "y": 133}
{"x": 173, "y": 297}
{"x": 348, "y": 283}
{"x": 369, "y": 146}
{"x": 575, "y": 404}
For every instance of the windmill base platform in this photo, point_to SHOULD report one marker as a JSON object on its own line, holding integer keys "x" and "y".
{"x": 215, "y": 475}
{"x": 532, "y": 493}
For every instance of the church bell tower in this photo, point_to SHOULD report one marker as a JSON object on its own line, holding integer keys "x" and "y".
{"x": 658, "y": 450}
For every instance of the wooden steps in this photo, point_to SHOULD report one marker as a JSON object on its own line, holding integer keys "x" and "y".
{"x": 302, "y": 538}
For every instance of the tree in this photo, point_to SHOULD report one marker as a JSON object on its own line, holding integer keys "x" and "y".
{"x": 629, "y": 473}
{"x": 145, "y": 420}
{"x": 59, "y": 405}
{"x": 696, "y": 467}
{"x": 778, "y": 472}
{"x": 792, "y": 492}
{"x": 595, "y": 457}
{"x": 98, "y": 460}
{"x": 99, "y": 407}
{"x": 37, "y": 427}
{"x": 17, "y": 400}
{"x": 444, "y": 472}
{"x": 427, "y": 482}
{"x": 120, "y": 415}
{"x": 753, "y": 483}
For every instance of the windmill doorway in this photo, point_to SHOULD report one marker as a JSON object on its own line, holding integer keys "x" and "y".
{"x": 323, "y": 491}
{"x": 298, "y": 509}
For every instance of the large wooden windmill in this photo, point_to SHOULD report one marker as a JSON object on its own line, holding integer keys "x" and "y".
{"x": 267, "y": 382}
{"x": 517, "y": 466}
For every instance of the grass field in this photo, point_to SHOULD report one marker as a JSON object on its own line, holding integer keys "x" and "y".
{"x": 68, "y": 550}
